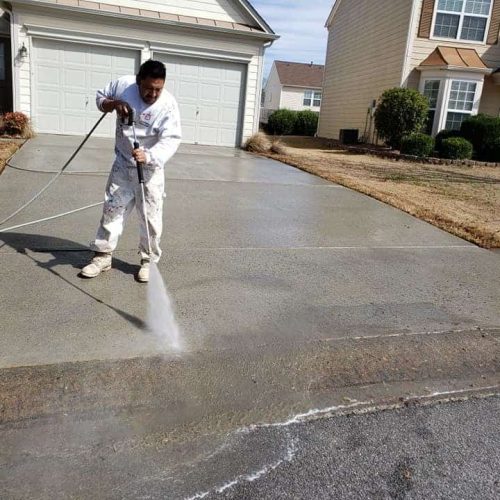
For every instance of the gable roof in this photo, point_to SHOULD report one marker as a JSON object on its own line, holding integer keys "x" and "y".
{"x": 454, "y": 57}
{"x": 258, "y": 27}
{"x": 335, "y": 6}
{"x": 294, "y": 74}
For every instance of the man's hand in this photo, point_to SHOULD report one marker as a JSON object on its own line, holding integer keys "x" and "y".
{"x": 140, "y": 156}
{"x": 121, "y": 107}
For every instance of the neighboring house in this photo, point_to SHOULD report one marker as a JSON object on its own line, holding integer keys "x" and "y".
{"x": 447, "y": 49}
{"x": 290, "y": 85}
{"x": 64, "y": 50}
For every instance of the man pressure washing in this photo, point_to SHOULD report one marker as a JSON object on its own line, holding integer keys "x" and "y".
{"x": 154, "y": 111}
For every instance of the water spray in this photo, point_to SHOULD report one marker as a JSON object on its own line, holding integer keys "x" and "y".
{"x": 160, "y": 320}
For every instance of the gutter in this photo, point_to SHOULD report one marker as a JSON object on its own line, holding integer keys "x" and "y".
{"x": 116, "y": 15}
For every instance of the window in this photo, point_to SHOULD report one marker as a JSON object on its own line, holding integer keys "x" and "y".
{"x": 312, "y": 98}
{"x": 431, "y": 91}
{"x": 462, "y": 19}
{"x": 460, "y": 103}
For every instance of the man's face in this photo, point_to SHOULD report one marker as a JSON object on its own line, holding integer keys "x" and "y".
{"x": 150, "y": 89}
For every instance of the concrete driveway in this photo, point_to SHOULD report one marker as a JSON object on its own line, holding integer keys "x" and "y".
{"x": 298, "y": 299}
{"x": 256, "y": 253}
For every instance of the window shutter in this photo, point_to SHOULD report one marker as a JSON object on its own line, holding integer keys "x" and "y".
{"x": 494, "y": 24}
{"x": 424, "y": 31}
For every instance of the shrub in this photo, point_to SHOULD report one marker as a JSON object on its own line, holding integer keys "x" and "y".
{"x": 417, "y": 144}
{"x": 307, "y": 123}
{"x": 456, "y": 148}
{"x": 399, "y": 113}
{"x": 257, "y": 143}
{"x": 278, "y": 147}
{"x": 282, "y": 122}
{"x": 493, "y": 151}
{"x": 445, "y": 134}
{"x": 17, "y": 123}
{"x": 482, "y": 131}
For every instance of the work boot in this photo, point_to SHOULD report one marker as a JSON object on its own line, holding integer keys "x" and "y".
{"x": 99, "y": 263}
{"x": 143, "y": 274}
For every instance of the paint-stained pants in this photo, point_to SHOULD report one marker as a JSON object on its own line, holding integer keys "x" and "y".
{"x": 123, "y": 191}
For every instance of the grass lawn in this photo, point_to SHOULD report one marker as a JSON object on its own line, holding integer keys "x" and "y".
{"x": 462, "y": 200}
{"x": 7, "y": 149}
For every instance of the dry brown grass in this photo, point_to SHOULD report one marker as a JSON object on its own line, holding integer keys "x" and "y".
{"x": 278, "y": 147}
{"x": 258, "y": 143}
{"x": 7, "y": 149}
{"x": 462, "y": 200}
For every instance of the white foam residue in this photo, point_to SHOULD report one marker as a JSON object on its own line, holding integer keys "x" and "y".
{"x": 253, "y": 476}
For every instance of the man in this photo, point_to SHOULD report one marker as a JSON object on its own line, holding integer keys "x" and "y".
{"x": 159, "y": 134}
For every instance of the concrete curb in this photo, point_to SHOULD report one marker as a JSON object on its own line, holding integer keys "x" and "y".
{"x": 297, "y": 376}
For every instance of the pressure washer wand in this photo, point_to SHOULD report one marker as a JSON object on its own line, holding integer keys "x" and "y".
{"x": 140, "y": 174}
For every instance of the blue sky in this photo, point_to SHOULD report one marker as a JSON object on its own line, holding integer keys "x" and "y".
{"x": 300, "y": 23}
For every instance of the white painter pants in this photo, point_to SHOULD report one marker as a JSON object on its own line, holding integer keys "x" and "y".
{"x": 123, "y": 191}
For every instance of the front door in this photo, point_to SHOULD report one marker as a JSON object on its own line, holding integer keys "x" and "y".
{"x": 5, "y": 76}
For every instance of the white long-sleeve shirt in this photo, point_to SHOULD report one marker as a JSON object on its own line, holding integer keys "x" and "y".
{"x": 158, "y": 126}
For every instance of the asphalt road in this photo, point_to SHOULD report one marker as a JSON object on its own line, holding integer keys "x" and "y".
{"x": 446, "y": 451}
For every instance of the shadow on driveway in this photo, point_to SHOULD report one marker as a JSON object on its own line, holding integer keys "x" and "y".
{"x": 65, "y": 253}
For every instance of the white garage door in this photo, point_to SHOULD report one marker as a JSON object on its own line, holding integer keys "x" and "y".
{"x": 66, "y": 77}
{"x": 210, "y": 97}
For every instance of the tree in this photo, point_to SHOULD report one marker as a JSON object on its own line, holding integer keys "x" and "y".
{"x": 399, "y": 113}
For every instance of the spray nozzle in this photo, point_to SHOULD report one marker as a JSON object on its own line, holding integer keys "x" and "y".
{"x": 130, "y": 118}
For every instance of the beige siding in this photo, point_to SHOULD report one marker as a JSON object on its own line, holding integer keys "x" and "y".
{"x": 422, "y": 47}
{"x": 272, "y": 90}
{"x": 293, "y": 98}
{"x": 141, "y": 34}
{"x": 366, "y": 49}
{"x": 490, "y": 99}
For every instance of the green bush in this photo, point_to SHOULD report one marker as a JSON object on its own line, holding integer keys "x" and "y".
{"x": 282, "y": 122}
{"x": 456, "y": 148}
{"x": 482, "y": 131}
{"x": 400, "y": 112}
{"x": 417, "y": 144}
{"x": 445, "y": 134}
{"x": 307, "y": 123}
{"x": 493, "y": 151}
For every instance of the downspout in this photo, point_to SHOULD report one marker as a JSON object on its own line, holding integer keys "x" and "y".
{"x": 259, "y": 96}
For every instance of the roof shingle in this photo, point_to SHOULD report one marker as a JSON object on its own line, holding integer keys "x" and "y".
{"x": 300, "y": 74}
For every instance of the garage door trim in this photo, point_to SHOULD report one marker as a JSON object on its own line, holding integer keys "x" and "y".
{"x": 200, "y": 53}
{"x": 59, "y": 34}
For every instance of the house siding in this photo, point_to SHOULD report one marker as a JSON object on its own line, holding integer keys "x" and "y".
{"x": 422, "y": 48}
{"x": 141, "y": 33}
{"x": 366, "y": 49}
{"x": 272, "y": 90}
{"x": 293, "y": 98}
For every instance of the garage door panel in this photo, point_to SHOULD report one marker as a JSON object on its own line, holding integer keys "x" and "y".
{"x": 208, "y": 135}
{"x": 228, "y": 115}
{"x": 188, "y": 90}
{"x": 210, "y": 91}
{"x": 75, "y": 79}
{"x": 98, "y": 80}
{"x": 67, "y": 76}
{"x": 231, "y": 95}
{"x": 73, "y": 55}
{"x": 210, "y": 97}
{"x": 50, "y": 100}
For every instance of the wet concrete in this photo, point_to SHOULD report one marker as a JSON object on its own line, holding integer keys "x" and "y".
{"x": 294, "y": 294}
